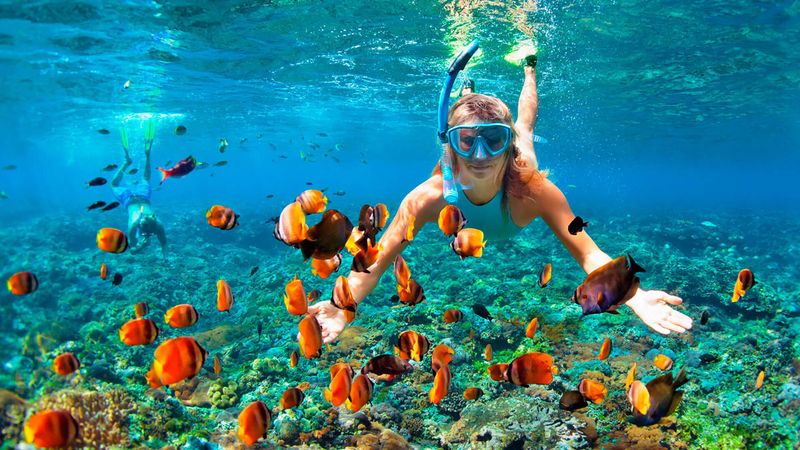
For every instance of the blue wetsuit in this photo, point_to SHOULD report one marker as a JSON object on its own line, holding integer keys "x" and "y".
{"x": 488, "y": 217}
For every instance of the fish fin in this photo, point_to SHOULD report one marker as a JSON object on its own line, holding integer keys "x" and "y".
{"x": 328, "y": 394}
{"x": 680, "y": 379}
{"x": 676, "y": 400}
{"x": 633, "y": 267}
{"x": 164, "y": 174}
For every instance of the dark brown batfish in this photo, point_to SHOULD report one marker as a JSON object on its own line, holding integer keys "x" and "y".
{"x": 609, "y": 286}
{"x": 664, "y": 398}
{"x": 328, "y": 237}
{"x": 572, "y": 400}
{"x": 386, "y": 367}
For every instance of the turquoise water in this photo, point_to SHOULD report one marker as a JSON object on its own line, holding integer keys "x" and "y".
{"x": 672, "y": 127}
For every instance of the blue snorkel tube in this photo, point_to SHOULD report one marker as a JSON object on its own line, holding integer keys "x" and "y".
{"x": 448, "y": 183}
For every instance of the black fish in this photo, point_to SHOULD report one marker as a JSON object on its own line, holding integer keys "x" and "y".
{"x": 576, "y": 225}
{"x": 9, "y": 167}
{"x": 242, "y": 141}
{"x": 270, "y": 195}
{"x": 328, "y": 237}
{"x": 388, "y": 365}
{"x": 322, "y": 134}
{"x": 339, "y": 193}
{"x": 133, "y": 171}
{"x": 95, "y": 205}
{"x": 99, "y": 181}
{"x": 609, "y": 286}
{"x": 117, "y": 279}
{"x": 572, "y": 400}
{"x": 260, "y": 329}
{"x": 110, "y": 206}
{"x": 704, "y": 317}
{"x": 180, "y": 130}
{"x": 284, "y": 157}
{"x": 481, "y": 311}
{"x": 220, "y": 163}
{"x": 103, "y": 131}
{"x": 110, "y": 167}
{"x": 308, "y": 183}
{"x": 253, "y": 270}
{"x": 664, "y": 398}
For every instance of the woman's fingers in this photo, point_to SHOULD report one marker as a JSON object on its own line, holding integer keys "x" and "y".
{"x": 672, "y": 326}
{"x": 671, "y": 299}
{"x": 681, "y": 320}
{"x": 658, "y": 328}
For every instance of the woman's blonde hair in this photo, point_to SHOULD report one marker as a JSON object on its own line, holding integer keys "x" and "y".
{"x": 479, "y": 108}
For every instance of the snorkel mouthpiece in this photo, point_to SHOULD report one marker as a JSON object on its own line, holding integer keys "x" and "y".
{"x": 459, "y": 63}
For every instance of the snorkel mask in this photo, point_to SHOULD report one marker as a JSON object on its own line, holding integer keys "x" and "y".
{"x": 480, "y": 140}
{"x": 448, "y": 183}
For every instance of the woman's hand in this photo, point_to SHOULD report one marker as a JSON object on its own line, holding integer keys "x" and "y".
{"x": 331, "y": 319}
{"x": 654, "y": 310}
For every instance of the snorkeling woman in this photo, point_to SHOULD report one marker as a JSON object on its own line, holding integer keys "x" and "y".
{"x": 493, "y": 155}
{"x": 135, "y": 196}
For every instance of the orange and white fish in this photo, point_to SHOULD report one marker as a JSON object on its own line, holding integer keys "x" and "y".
{"x": 22, "y": 283}
{"x": 312, "y": 201}
{"x": 65, "y": 364}
{"x": 224, "y": 296}
{"x": 222, "y": 217}
{"x": 181, "y": 316}
{"x": 254, "y": 421}
{"x": 176, "y": 360}
{"x": 441, "y": 384}
{"x": 291, "y": 227}
{"x": 605, "y": 349}
{"x": 341, "y": 381}
{"x": 545, "y": 275}
{"x": 138, "y": 332}
{"x": 451, "y": 220}
{"x": 310, "y": 339}
{"x": 468, "y": 242}
{"x": 324, "y": 267}
{"x": 530, "y": 330}
{"x": 51, "y": 429}
{"x": 744, "y": 282}
{"x": 112, "y": 240}
{"x": 294, "y": 297}
{"x": 663, "y": 362}
{"x": 593, "y": 391}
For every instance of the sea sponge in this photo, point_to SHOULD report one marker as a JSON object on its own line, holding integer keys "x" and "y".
{"x": 222, "y": 394}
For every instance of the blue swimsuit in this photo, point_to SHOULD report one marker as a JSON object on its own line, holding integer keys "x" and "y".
{"x": 135, "y": 191}
{"x": 488, "y": 217}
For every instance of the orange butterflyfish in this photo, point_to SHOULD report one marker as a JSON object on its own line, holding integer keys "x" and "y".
{"x": 221, "y": 217}
{"x": 451, "y": 220}
{"x": 545, "y": 275}
{"x": 324, "y": 267}
{"x": 310, "y": 338}
{"x": 138, "y": 332}
{"x": 760, "y": 380}
{"x": 473, "y": 393}
{"x": 630, "y": 378}
{"x": 408, "y": 236}
{"x": 181, "y": 316}
{"x": 360, "y": 393}
{"x": 381, "y": 215}
{"x": 224, "y": 296}
{"x": 295, "y": 297}
{"x": 639, "y": 397}
{"x": 341, "y": 381}
{"x": 744, "y": 282}
{"x": 291, "y": 227}
{"x": 530, "y": 368}
{"x": 253, "y": 422}
{"x": 365, "y": 258}
{"x": 342, "y": 295}
{"x": 112, "y": 240}
{"x": 593, "y": 391}
{"x": 412, "y": 345}
{"x": 141, "y": 309}
{"x": 441, "y": 356}
{"x": 65, "y": 364}
{"x": 411, "y": 295}
{"x": 453, "y": 315}
{"x": 22, "y": 283}
{"x": 312, "y": 201}
{"x": 663, "y": 362}
{"x": 217, "y": 364}
{"x": 292, "y": 397}
{"x": 175, "y": 360}
{"x": 103, "y": 271}
{"x": 401, "y": 272}
{"x": 533, "y": 325}
{"x": 441, "y": 384}
{"x": 468, "y": 242}
{"x": 487, "y": 353}
{"x": 51, "y": 429}
{"x": 294, "y": 358}
{"x": 605, "y": 349}
{"x": 351, "y": 243}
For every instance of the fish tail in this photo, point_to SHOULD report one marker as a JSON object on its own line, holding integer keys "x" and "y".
{"x": 328, "y": 394}
{"x": 681, "y": 379}
{"x": 164, "y": 174}
{"x": 633, "y": 266}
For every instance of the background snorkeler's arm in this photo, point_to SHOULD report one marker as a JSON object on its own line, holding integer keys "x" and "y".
{"x": 527, "y": 112}
{"x": 162, "y": 237}
{"x": 121, "y": 172}
{"x": 424, "y": 204}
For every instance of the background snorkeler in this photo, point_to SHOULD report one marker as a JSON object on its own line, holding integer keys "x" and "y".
{"x": 135, "y": 196}
{"x": 506, "y": 166}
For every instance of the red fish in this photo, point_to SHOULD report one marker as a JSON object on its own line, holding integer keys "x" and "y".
{"x": 605, "y": 349}
{"x": 310, "y": 339}
{"x": 441, "y": 385}
{"x": 112, "y": 240}
{"x": 51, "y": 429}
{"x": 221, "y": 217}
{"x": 176, "y": 360}
{"x": 451, "y": 220}
{"x": 253, "y": 422}
{"x": 312, "y": 201}
{"x": 138, "y": 332}
{"x": 530, "y": 368}
{"x": 22, "y": 283}
{"x": 65, "y": 364}
{"x": 224, "y": 296}
{"x": 181, "y": 316}
{"x": 530, "y": 330}
{"x": 744, "y": 282}
{"x": 453, "y": 315}
{"x": 468, "y": 242}
{"x": 412, "y": 345}
{"x": 291, "y": 228}
{"x": 324, "y": 267}
{"x": 360, "y": 393}
{"x": 183, "y": 167}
